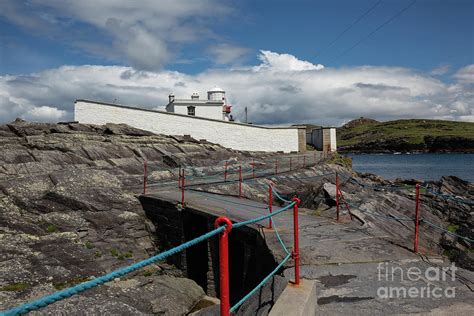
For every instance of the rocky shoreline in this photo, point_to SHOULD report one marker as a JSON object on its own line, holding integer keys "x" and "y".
{"x": 70, "y": 212}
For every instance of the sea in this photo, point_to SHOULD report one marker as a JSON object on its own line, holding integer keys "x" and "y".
{"x": 422, "y": 166}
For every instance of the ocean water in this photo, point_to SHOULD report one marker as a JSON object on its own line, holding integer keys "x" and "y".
{"x": 415, "y": 166}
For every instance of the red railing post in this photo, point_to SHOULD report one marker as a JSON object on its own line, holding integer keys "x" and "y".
{"x": 224, "y": 264}
{"x": 225, "y": 171}
{"x": 240, "y": 181}
{"x": 417, "y": 218}
{"x": 270, "y": 204}
{"x": 145, "y": 176}
{"x": 290, "y": 163}
{"x": 182, "y": 188}
{"x": 296, "y": 251}
{"x": 337, "y": 197}
{"x": 179, "y": 177}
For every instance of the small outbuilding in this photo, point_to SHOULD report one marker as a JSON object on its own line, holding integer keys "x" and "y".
{"x": 322, "y": 138}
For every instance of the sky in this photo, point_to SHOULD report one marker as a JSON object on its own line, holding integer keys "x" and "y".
{"x": 321, "y": 62}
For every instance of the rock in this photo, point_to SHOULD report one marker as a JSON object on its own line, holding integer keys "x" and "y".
{"x": 68, "y": 195}
{"x": 175, "y": 294}
{"x": 69, "y": 211}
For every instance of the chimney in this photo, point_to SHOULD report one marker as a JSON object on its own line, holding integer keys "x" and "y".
{"x": 195, "y": 96}
{"x": 171, "y": 97}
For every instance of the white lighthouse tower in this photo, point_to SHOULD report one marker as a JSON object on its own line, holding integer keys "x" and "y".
{"x": 218, "y": 95}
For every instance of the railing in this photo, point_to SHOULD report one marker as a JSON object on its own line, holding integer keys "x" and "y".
{"x": 224, "y": 226}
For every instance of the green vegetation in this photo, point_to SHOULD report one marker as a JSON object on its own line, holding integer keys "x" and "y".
{"x": 69, "y": 283}
{"x": 451, "y": 254}
{"x": 337, "y": 159}
{"x": 98, "y": 254}
{"x": 15, "y": 287}
{"x": 52, "y": 229}
{"x": 125, "y": 255}
{"x": 453, "y": 228}
{"x": 89, "y": 245}
{"x": 413, "y": 131}
{"x": 121, "y": 255}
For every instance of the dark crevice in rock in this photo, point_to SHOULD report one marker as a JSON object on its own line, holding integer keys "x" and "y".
{"x": 342, "y": 299}
{"x": 250, "y": 259}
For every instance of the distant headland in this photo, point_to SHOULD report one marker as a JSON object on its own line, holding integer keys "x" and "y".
{"x": 411, "y": 135}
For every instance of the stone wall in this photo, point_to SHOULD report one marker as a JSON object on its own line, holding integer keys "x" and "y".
{"x": 229, "y": 134}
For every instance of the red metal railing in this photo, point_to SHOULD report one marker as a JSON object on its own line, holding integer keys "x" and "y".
{"x": 337, "y": 197}
{"x": 224, "y": 264}
{"x": 295, "y": 254}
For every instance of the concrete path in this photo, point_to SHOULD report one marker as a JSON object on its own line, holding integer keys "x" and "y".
{"x": 352, "y": 264}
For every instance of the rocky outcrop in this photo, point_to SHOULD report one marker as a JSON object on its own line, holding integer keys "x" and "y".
{"x": 430, "y": 144}
{"x": 384, "y": 146}
{"x": 449, "y": 144}
{"x": 453, "y": 200}
{"x": 69, "y": 212}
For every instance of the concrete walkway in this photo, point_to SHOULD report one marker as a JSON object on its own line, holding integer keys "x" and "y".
{"x": 348, "y": 261}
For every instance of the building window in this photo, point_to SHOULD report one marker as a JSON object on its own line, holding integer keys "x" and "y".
{"x": 192, "y": 110}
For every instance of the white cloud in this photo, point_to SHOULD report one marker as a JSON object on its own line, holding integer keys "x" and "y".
{"x": 440, "y": 70}
{"x": 465, "y": 75}
{"x": 44, "y": 114}
{"x": 281, "y": 90}
{"x": 227, "y": 54}
{"x": 284, "y": 62}
{"x": 142, "y": 33}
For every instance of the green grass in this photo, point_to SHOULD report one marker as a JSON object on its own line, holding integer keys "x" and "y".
{"x": 337, "y": 159}
{"x": 15, "y": 287}
{"x": 89, "y": 245}
{"x": 51, "y": 229}
{"x": 413, "y": 131}
{"x": 121, "y": 255}
{"x": 125, "y": 255}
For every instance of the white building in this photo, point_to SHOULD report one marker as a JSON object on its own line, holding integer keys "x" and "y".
{"x": 228, "y": 134}
{"x": 322, "y": 138}
{"x": 214, "y": 107}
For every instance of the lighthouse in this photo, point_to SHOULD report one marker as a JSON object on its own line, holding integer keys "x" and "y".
{"x": 215, "y": 107}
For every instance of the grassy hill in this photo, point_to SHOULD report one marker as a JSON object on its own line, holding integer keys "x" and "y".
{"x": 406, "y": 135}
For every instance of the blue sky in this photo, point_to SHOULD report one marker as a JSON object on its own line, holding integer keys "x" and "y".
{"x": 432, "y": 41}
{"x": 429, "y": 34}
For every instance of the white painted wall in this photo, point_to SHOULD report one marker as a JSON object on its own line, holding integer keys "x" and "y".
{"x": 320, "y": 138}
{"x": 207, "y": 111}
{"x": 228, "y": 134}
{"x": 332, "y": 136}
